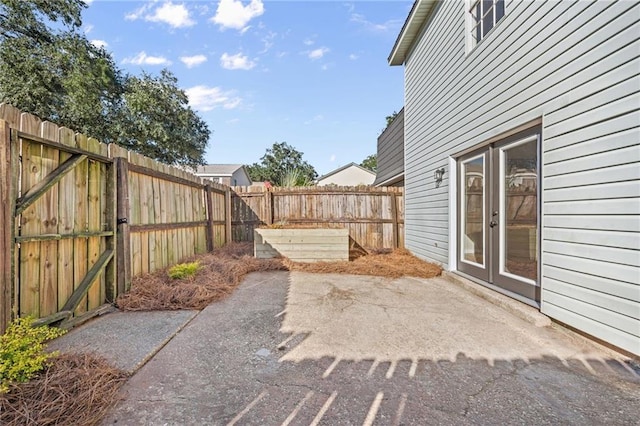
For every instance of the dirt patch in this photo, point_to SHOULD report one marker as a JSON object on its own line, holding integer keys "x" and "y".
{"x": 74, "y": 389}
{"x": 224, "y": 269}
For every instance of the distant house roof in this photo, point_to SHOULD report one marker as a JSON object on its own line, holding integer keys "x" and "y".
{"x": 218, "y": 169}
{"x": 418, "y": 17}
{"x": 345, "y": 167}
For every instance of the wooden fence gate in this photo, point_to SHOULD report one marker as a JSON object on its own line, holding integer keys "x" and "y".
{"x": 62, "y": 204}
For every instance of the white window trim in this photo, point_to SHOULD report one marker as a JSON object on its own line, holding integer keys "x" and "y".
{"x": 470, "y": 42}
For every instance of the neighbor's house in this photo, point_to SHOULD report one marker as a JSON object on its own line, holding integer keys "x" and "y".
{"x": 227, "y": 174}
{"x": 349, "y": 175}
{"x": 522, "y": 153}
{"x": 390, "y": 154}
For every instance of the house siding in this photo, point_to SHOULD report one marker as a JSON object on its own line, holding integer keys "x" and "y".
{"x": 390, "y": 157}
{"x": 575, "y": 66}
{"x": 350, "y": 176}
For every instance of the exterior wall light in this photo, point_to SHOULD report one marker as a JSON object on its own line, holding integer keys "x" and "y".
{"x": 437, "y": 175}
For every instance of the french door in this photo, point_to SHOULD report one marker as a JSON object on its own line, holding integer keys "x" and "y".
{"x": 498, "y": 214}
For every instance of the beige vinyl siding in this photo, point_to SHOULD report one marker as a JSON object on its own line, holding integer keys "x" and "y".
{"x": 573, "y": 64}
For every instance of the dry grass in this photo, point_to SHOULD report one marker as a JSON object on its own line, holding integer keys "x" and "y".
{"x": 74, "y": 389}
{"x": 219, "y": 274}
{"x": 222, "y": 271}
{"x": 396, "y": 264}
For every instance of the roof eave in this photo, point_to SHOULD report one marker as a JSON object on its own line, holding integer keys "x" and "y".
{"x": 419, "y": 14}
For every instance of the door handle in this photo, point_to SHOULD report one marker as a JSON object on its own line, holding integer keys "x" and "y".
{"x": 493, "y": 223}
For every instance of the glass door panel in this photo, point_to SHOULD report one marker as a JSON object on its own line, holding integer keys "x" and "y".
{"x": 515, "y": 244}
{"x": 519, "y": 195}
{"x": 473, "y": 213}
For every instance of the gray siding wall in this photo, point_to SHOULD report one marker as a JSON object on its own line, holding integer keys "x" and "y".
{"x": 575, "y": 65}
{"x": 391, "y": 150}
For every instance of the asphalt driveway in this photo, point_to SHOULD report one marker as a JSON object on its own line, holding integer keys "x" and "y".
{"x": 295, "y": 348}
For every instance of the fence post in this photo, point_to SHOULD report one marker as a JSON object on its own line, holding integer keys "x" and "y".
{"x": 268, "y": 207}
{"x": 394, "y": 218}
{"x": 227, "y": 217}
{"x": 123, "y": 240}
{"x": 7, "y": 202}
{"x": 111, "y": 272}
{"x": 210, "y": 225}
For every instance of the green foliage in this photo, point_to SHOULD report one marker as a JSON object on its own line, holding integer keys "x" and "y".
{"x": 391, "y": 117}
{"x": 184, "y": 270}
{"x": 279, "y": 161}
{"x": 49, "y": 68}
{"x": 157, "y": 121}
{"x": 370, "y": 163}
{"x": 22, "y": 352}
{"x": 294, "y": 177}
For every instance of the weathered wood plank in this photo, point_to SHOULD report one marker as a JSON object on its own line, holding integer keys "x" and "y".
{"x": 30, "y": 222}
{"x": 123, "y": 238}
{"x": 63, "y": 147}
{"x": 7, "y": 200}
{"x": 80, "y": 246}
{"x": 48, "y": 212}
{"x": 94, "y": 223}
{"x": 79, "y": 294}
{"x": 48, "y": 182}
{"x": 66, "y": 217}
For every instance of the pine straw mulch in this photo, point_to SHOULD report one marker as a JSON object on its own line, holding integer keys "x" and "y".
{"x": 75, "y": 389}
{"x": 223, "y": 270}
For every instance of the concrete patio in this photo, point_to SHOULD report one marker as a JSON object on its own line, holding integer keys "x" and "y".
{"x": 296, "y": 348}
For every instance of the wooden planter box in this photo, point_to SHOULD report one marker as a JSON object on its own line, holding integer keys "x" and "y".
{"x": 302, "y": 245}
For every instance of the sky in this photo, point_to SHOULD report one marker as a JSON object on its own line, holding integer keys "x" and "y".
{"x": 313, "y": 74}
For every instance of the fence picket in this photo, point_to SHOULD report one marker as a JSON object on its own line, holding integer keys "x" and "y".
{"x": 30, "y": 223}
{"x": 47, "y": 212}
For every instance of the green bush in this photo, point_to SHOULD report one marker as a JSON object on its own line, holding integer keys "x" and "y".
{"x": 184, "y": 270}
{"x": 22, "y": 352}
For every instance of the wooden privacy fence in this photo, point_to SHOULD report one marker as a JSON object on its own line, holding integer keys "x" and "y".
{"x": 373, "y": 216}
{"x": 80, "y": 218}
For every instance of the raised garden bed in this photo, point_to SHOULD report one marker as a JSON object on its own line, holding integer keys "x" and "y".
{"x": 302, "y": 244}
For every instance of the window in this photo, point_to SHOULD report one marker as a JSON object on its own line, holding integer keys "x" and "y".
{"x": 483, "y": 16}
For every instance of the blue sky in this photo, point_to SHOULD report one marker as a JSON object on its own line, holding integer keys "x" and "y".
{"x": 313, "y": 74}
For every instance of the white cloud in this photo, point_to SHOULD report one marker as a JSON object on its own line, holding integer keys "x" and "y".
{"x": 233, "y": 14}
{"x": 233, "y": 121}
{"x": 88, "y": 28}
{"x": 318, "y": 53}
{"x": 317, "y": 117}
{"x": 143, "y": 59}
{"x": 138, "y": 13}
{"x": 236, "y": 62}
{"x": 308, "y": 42}
{"x": 392, "y": 25}
{"x": 353, "y": 56}
{"x": 193, "y": 61}
{"x": 267, "y": 41}
{"x": 332, "y": 158}
{"x": 206, "y": 98}
{"x": 99, "y": 43}
{"x": 176, "y": 15}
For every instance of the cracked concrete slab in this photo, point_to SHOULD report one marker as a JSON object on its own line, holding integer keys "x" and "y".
{"x": 126, "y": 339}
{"x": 300, "y": 349}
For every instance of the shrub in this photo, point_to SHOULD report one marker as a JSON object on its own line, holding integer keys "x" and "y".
{"x": 184, "y": 270}
{"x": 22, "y": 352}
